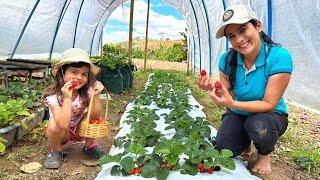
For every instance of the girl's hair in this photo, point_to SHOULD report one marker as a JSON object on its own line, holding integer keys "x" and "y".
{"x": 57, "y": 83}
{"x": 232, "y": 55}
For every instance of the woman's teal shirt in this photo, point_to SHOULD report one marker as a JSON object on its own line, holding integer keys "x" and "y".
{"x": 251, "y": 84}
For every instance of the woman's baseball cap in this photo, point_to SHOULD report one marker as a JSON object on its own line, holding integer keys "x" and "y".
{"x": 236, "y": 14}
{"x": 74, "y": 55}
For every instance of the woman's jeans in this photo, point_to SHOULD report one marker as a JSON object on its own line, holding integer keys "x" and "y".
{"x": 237, "y": 131}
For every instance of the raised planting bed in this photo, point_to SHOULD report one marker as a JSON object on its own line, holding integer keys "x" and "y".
{"x": 9, "y": 133}
{"x": 31, "y": 122}
{"x": 165, "y": 135}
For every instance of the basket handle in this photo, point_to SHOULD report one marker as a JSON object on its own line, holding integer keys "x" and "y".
{"x": 90, "y": 106}
{"x": 107, "y": 104}
{"x": 89, "y": 109}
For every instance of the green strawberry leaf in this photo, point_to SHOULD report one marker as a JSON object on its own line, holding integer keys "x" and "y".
{"x": 127, "y": 164}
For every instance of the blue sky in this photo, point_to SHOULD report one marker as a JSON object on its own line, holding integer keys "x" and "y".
{"x": 164, "y": 21}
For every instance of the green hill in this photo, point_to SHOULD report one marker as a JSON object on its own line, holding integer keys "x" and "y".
{"x": 152, "y": 43}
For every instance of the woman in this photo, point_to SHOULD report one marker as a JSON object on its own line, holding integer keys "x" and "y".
{"x": 254, "y": 74}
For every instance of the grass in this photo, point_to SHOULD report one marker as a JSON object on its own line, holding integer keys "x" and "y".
{"x": 299, "y": 147}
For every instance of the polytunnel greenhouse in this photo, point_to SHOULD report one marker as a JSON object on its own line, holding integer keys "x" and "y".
{"x": 38, "y": 31}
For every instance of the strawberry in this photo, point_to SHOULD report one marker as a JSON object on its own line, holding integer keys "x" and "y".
{"x": 203, "y": 73}
{"x": 74, "y": 84}
{"x": 210, "y": 170}
{"x": 135, "y": 171}
{"x": 139, "y": 170}
{"x": 217, "y": 85}
{"x": 164, "y": 165}
{"x": 132, "y": 171}
{"x": 217, "y": 168}
{"x": 201, "y": 167}
{"x": 94, "y": 121}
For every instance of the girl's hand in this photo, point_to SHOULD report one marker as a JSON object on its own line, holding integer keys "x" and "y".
{"x": 97, "y": 87}
{"x": 223, "y": 98}
{"x": 67, "y": 90}
{"x": 204, "y": 82}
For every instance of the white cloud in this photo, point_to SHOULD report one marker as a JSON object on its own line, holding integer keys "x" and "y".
{"x": 160, "y": 25}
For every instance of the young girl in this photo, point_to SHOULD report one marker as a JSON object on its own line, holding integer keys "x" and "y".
{"x": 68, "y": 98}
{"x": 254, "y": 74}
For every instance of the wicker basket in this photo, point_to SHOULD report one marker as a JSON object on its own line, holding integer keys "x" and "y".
{"x": 88, "y": 130}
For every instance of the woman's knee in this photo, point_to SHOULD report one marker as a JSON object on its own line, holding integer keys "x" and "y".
{"x": 261, "y": 125}
{"x": 231, "y": 134}
{"x": 262, "y": 129}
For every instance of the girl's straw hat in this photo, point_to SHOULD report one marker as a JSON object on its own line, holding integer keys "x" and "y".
{"x": 74, "y": 55}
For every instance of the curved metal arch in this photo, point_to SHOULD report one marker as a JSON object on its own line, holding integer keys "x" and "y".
{"x": 209, "y": 33}
{"x": 224, "y": 8}
{"x": 199, "y": 42}
{"x": 95, "y": 29}
{"x": 270, "y": 18}
{"x": 23, "y": 29}
{"x": 194, "y": 55}
{"x": 75, "y": 29}
{"x": 63, "y": 11}
{"x": 114, "y": 1}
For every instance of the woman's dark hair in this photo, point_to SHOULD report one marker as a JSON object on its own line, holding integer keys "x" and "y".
{"x": 232, "y": 55}
{"x": 57, "y": 83}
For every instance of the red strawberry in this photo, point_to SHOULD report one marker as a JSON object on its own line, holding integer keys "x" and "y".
{"x": 132, "y": 171}
{"x": 139, "y": 170}
{"x": 94, "y": 121}
{"x": 164, "y": 165}
{"x": 217, "y": 85}
{"x": 203, "y": 73}
{"x": 210, "y": 170}
{"x": 74, "y": 84}
{"x": 136, "y": 171}
{"x": 201, "y": 167}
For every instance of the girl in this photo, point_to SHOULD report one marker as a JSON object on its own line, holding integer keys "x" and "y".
{"x": 68, "y": 98}
{"x": 254, "y": 74}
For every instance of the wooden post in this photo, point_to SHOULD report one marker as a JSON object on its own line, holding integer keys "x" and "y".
{"x": 130, "y": 30}
{"x": 101, "y": 44}
{"x": 146, "y": 43}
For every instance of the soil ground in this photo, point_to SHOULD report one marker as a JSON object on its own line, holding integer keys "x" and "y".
{"x": 77, "y": 166}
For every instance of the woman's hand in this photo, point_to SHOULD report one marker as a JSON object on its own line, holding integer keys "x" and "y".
{"x": 204, "y": 82}
{"x": 97, "y": 87}
{"x": 221, "y": 96}
{"x": 67, "y": 90}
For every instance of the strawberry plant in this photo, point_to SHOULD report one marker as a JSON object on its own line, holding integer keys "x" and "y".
{"x": 169, "y": 151}
{"x": 191, "y": 139}
{"x": 11, "y": 111}
{"x": 2, "y": 145}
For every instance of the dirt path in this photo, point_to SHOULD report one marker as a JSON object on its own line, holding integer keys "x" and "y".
{"x": 153, "y": 64}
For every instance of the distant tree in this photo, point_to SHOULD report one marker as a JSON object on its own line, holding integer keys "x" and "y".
{"x": 185, "y": 37}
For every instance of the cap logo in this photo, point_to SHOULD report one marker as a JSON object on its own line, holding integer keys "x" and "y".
{"x": 227, "y": 15}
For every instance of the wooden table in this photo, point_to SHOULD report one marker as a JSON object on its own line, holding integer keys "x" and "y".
{"x": 11, "y": 67}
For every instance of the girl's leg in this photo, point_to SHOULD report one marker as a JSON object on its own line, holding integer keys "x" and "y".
{"x": 231, "y": 134}
{"x": 264, "y": 129}
{"x": 92, "y": 149}
{"x": 56, "y": 135}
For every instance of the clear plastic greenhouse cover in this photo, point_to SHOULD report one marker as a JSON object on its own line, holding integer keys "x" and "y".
{"x": 47, "y": 27}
